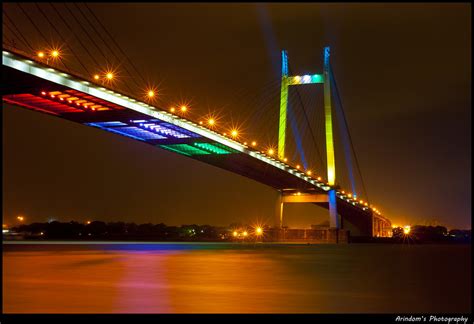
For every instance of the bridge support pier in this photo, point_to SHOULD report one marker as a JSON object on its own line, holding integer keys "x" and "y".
{"x": 279, "y": 211}
{"x": 297, "y": 197}
{"x": 333, "y": 219}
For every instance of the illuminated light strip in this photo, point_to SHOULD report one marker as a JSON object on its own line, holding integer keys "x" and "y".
{"x": 214, "y": 148}
{"x": 283, "y": 105}
{"x": 114, "y": 131}
{"x": 331, "y": 164}
{"x": 185, "y": 149}
{"x": 166, "y": 131}
{"x": 169, "y": 130}
{"x": 175, "y": 150}
{"x": 306, "y": 79}
{"x": 49, "y": 74}
{"x": 139, "y": 132}
{"x": 110, "y": 123}
{"x": 179, "y": 129}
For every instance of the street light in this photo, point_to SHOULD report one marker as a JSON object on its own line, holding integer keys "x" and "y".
{"x": 406, "y": 229}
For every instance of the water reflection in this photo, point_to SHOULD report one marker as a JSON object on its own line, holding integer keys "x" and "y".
{"x": 220, "y": 278}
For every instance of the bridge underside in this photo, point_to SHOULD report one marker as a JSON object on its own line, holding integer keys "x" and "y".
{"x": 35, "y": 93}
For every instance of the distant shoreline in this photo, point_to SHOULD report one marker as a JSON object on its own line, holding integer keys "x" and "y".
{"x": 137, "y": 242}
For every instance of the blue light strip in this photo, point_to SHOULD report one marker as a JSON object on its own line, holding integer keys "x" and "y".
{"x": 165, "y": 131}
{"x": 129, "y": 131}
{"x": 181, "y": 130}
{"x": 110, "y": 123}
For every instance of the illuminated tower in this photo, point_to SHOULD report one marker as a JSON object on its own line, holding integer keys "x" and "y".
{"x": 324, "y": 78}
{"x": 331, "y": 163}
{"x": 283, "y": 105}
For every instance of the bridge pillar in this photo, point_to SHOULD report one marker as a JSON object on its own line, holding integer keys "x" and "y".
{"x": 279, "y": 211}
{"x": 283, "y": 105}
{"x": 331, "y": 165}
{"x": 333, "y": 218}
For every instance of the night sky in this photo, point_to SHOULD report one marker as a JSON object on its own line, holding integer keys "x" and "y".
{"x": 404, "y": 76}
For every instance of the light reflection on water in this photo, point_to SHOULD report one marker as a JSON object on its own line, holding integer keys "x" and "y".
{"x": 234, "y": 278}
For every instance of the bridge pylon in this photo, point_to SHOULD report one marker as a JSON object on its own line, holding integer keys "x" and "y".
{"x": 325, "y": 79}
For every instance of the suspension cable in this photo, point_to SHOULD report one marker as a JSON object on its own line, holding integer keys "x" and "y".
{"x": 19, "y": 32}
{"x": 307, "y": 121}
{"x": 349, "y": 134}
{"x": 33, "y": 23}
{"x": 117, "y": 45}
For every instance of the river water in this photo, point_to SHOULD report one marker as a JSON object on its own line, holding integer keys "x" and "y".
{"x": 84, "y": 277}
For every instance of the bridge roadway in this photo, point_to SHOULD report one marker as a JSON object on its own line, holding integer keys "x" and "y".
{"x": 38, "y": 87}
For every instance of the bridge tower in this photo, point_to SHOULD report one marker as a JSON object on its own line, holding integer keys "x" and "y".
{"x": 325, "y": 79}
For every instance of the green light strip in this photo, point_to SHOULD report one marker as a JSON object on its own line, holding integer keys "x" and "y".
{"x": 175, "y": 150}
{"x": 185, "y": 149}
{"x": 212, "y": 148}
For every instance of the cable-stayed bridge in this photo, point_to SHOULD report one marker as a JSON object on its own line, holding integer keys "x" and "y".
{"x": 42, "y": 80}
{"x": 36, "y": 86}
